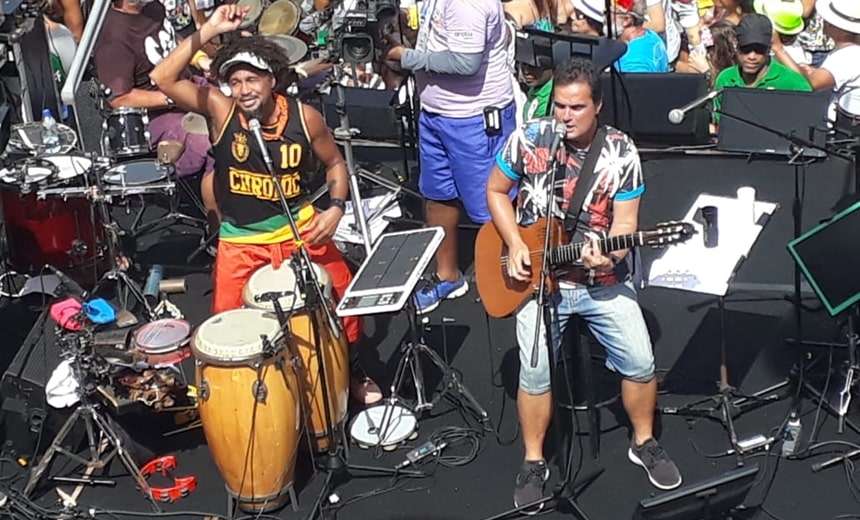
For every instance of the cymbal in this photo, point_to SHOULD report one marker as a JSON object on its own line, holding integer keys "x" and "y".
{"x": 253, "y": 14}
{"x": 294, "y": 48}
{"x": 281, "y": 17}
{"x": 195, "y": 124}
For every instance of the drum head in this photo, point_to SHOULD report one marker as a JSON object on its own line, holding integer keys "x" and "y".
{"x": 367, "y": 427}
{"x": 849, "y": 103}
{"x": 137, "y": 173}
{"x": 234, "y": 336}
{"x": 69, "y": 166}
{"x": 268, "y": 279}
{"x": 28, "y": 171}
{"x": 162, "y": 336}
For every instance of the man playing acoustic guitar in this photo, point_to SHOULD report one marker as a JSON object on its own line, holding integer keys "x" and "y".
{"x": 600, "y": 290}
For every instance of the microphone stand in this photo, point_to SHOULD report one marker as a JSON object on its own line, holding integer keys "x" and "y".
{"x": 334, "y": 460}
{"x": 798, "y": 147}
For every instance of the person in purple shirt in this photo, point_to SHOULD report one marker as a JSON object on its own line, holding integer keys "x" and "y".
{"x": 646, "y": 51}
{"x": 467, "y": 112}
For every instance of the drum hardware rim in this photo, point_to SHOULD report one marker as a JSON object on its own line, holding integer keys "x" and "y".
{"x": 203, "y": 390}
{"x": 262, "y": 499}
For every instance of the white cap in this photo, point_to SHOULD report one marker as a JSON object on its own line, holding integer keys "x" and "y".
{"x": 592, "y": 9}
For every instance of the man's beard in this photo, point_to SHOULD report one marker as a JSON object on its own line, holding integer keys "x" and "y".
{"x": 257, "y": 113}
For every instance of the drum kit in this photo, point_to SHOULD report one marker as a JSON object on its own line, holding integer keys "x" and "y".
{"x": 55, "y": 205}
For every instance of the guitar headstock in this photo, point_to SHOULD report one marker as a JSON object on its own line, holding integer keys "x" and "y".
{"x": 667, "y": 233}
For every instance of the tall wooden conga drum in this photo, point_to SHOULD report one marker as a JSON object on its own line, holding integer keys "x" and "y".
{"x": 302, "y": 337}
{"x": 248, "y": 404}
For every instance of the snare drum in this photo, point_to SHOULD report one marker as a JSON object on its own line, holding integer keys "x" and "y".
{"x": 301, "y": 339}
{"x": 848, "y": 113}
{"x": 248, "y": 406}
{"x": 163, "y": 342}
{"x": 137, "y": 173}
{"x": 126, "y": 132}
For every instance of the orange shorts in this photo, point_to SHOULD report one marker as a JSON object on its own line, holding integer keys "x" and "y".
{"x": 235, "y": 263}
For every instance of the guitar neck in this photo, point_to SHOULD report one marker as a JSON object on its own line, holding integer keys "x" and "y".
{"x": 571, "y": 253}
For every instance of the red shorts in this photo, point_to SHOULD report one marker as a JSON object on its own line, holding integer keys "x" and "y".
{"x": 235, "y": 263}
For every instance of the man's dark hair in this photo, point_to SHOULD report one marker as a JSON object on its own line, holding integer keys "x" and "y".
{"x": 579, "y": 70}
{"x": 266, "y": 50}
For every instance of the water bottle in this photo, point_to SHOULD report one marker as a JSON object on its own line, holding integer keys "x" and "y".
{"x": 50, "y": 132}
{"x": 791, "y": 435}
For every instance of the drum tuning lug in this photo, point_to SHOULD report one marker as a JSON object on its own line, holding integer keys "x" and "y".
{"x": 260, "y": 391}
{"x": 203, "y": 389}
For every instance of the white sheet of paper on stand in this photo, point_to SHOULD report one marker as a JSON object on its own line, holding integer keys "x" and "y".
{"x": 376, "y": 210}
{"x": 691, "y": 266}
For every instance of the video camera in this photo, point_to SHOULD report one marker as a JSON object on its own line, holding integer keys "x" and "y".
{"x": 361, "y": 33}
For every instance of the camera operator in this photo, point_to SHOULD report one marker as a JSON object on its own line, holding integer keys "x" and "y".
{"x": 467, "y": 111}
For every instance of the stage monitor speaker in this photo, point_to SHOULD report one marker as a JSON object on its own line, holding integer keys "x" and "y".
{"x": 827, "y": 256}
{"x": 372, "y": 112}
{"x": 711, "y": 499}
{"x": 639, "y": 105}
{"x": 803, "y": 114}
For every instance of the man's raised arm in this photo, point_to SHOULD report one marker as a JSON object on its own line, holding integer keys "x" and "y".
{"x": 187, "y": 95}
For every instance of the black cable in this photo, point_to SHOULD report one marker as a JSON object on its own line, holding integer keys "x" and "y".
{"x": 496, "y": 385}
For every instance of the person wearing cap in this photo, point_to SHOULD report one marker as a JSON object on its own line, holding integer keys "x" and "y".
{"x": 588, "y": 17}
{"x": 840, "y": 71}
{"x": 538, "y": 78}
{"x": 755, "y": 68}
{"x": 646, "y": 51}
{"x": 254, "y": 232}
{"x": 787, "y": 19}
{"x": 135, "y": 37}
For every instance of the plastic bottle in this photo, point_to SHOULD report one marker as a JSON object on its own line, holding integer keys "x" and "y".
{"x": 50, "y": 132}
{"x": 791, "y": 435}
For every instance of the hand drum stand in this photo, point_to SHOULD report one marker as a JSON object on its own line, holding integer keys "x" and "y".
{"x": 333, "y": 462}
{"x": 98, "y": 429}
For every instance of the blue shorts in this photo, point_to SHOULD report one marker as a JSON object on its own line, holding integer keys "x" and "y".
{"x": 613, "y": 316}
{"x": 456, "y": 156}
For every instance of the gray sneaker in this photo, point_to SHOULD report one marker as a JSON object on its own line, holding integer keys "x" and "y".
{"x": 530, "y": 483}
{"x": 662, "y": 472}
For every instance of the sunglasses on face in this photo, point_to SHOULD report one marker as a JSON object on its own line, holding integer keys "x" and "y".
{"x": 755, "y": 47}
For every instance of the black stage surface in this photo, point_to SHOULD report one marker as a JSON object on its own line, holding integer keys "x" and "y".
{"x": 684, "y": 329}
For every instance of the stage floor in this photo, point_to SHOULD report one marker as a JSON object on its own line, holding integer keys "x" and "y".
{"x": 685, "y": 332}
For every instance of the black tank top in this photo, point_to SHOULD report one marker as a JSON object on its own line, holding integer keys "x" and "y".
{"x": 243, "y": 186}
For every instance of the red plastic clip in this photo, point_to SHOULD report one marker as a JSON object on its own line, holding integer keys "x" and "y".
{"x": 182, "y": 486}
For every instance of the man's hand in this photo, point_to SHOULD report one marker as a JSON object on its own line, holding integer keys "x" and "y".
{"x": 593, "y": 258}
{"x": 395, "y": 53}
{"x": 227, "y": 18}
{"x": 519, "y": 261}
{"x": 323, "y": 226}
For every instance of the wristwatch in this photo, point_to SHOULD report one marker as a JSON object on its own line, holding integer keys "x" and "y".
{"x": 338, "y": 203}
{"x": 169, "y": 101}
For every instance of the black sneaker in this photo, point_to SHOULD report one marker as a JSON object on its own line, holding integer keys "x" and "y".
{"x": 662, "y": 472}
{"x": 530, "y": 482}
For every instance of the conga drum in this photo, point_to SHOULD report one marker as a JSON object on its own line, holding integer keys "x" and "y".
{"x": 248, "y": 405}
{"x": 303, "y": 332}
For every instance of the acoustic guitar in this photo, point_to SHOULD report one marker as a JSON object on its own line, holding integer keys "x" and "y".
{"x": 502, "y": 295}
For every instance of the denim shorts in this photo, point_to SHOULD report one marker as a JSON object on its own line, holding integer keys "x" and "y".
{"x": 456, "y": 156}
{"x": 613, "y": 316}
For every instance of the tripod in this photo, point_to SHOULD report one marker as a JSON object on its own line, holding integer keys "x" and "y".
{"x": 410, "y": 359}
{"x": 95, "y": 422}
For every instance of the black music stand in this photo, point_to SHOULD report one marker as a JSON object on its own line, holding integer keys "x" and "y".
{"x": 838, "y": 289}
{"x": 692, "y": 266}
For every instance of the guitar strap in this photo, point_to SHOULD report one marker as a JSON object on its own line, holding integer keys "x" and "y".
{"x": 585, "y": 181}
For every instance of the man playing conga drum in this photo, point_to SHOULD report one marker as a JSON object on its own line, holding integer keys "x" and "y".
{"x": 254, "y": 232}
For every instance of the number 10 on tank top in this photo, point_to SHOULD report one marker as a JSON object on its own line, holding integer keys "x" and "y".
{"x": 291, "y": 155}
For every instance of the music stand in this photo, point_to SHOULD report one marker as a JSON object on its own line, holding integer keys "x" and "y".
{"x": 693, "y": 267}
{"x": 837, "y": 288}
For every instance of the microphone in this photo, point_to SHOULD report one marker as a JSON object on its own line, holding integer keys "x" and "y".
{"x": 72, "y": 287}
{"x": 254, "y": 126}
{"x": 271, "y": 296}
{"x": 559, "y": 132}
{"x": 676, "y": 115}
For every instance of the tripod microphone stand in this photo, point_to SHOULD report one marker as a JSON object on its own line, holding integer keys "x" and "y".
{"x": 334, "y": 460}
{"x": 98, "y": 429}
